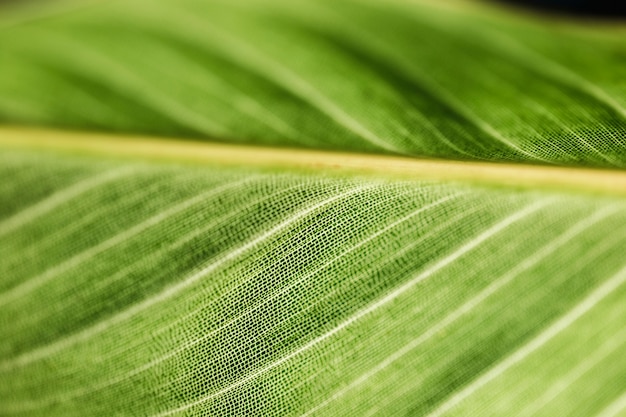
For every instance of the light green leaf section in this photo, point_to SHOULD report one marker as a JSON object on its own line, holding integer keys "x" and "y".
{"x": 435, "y": 79}
{"x": 157, "y": 289}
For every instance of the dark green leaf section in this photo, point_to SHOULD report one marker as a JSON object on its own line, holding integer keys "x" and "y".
{"x": 144, "y": 289}
{"x": 454, "y": 81}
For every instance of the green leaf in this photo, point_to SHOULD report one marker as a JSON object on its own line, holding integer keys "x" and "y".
{"x": 156, "y": 277}
{"x": 411, "y": 78}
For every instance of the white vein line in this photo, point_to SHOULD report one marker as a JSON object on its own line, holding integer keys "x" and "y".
{"x": 529, "y": 262}
{"x": 544, "y": 337}
{"x": 437, "y": 132}
{"x": 39, "y": 353}
{"x": 49, "y": 274}
{"x": 175, "y": 289}
{"x": 251, "y": 57}
{"x": 614, "y": 408}
{"x": 605, "y": 350}
{"x": 58, "y": 198}
{"x": 467, "y": 247}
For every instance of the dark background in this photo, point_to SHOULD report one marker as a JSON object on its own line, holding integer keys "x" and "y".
{"x": 612, "y": 9}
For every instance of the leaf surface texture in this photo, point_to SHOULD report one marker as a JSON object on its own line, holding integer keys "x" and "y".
{"x": 142, "y": 287}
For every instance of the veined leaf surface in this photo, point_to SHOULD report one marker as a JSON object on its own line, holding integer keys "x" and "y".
{"x": 155, "y": 278}
{"x": 157, "y": 289}
{"x": 411, "y": 78}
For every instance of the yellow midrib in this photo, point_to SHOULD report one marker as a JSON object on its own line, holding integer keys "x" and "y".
{"x": 587, "y": 180}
